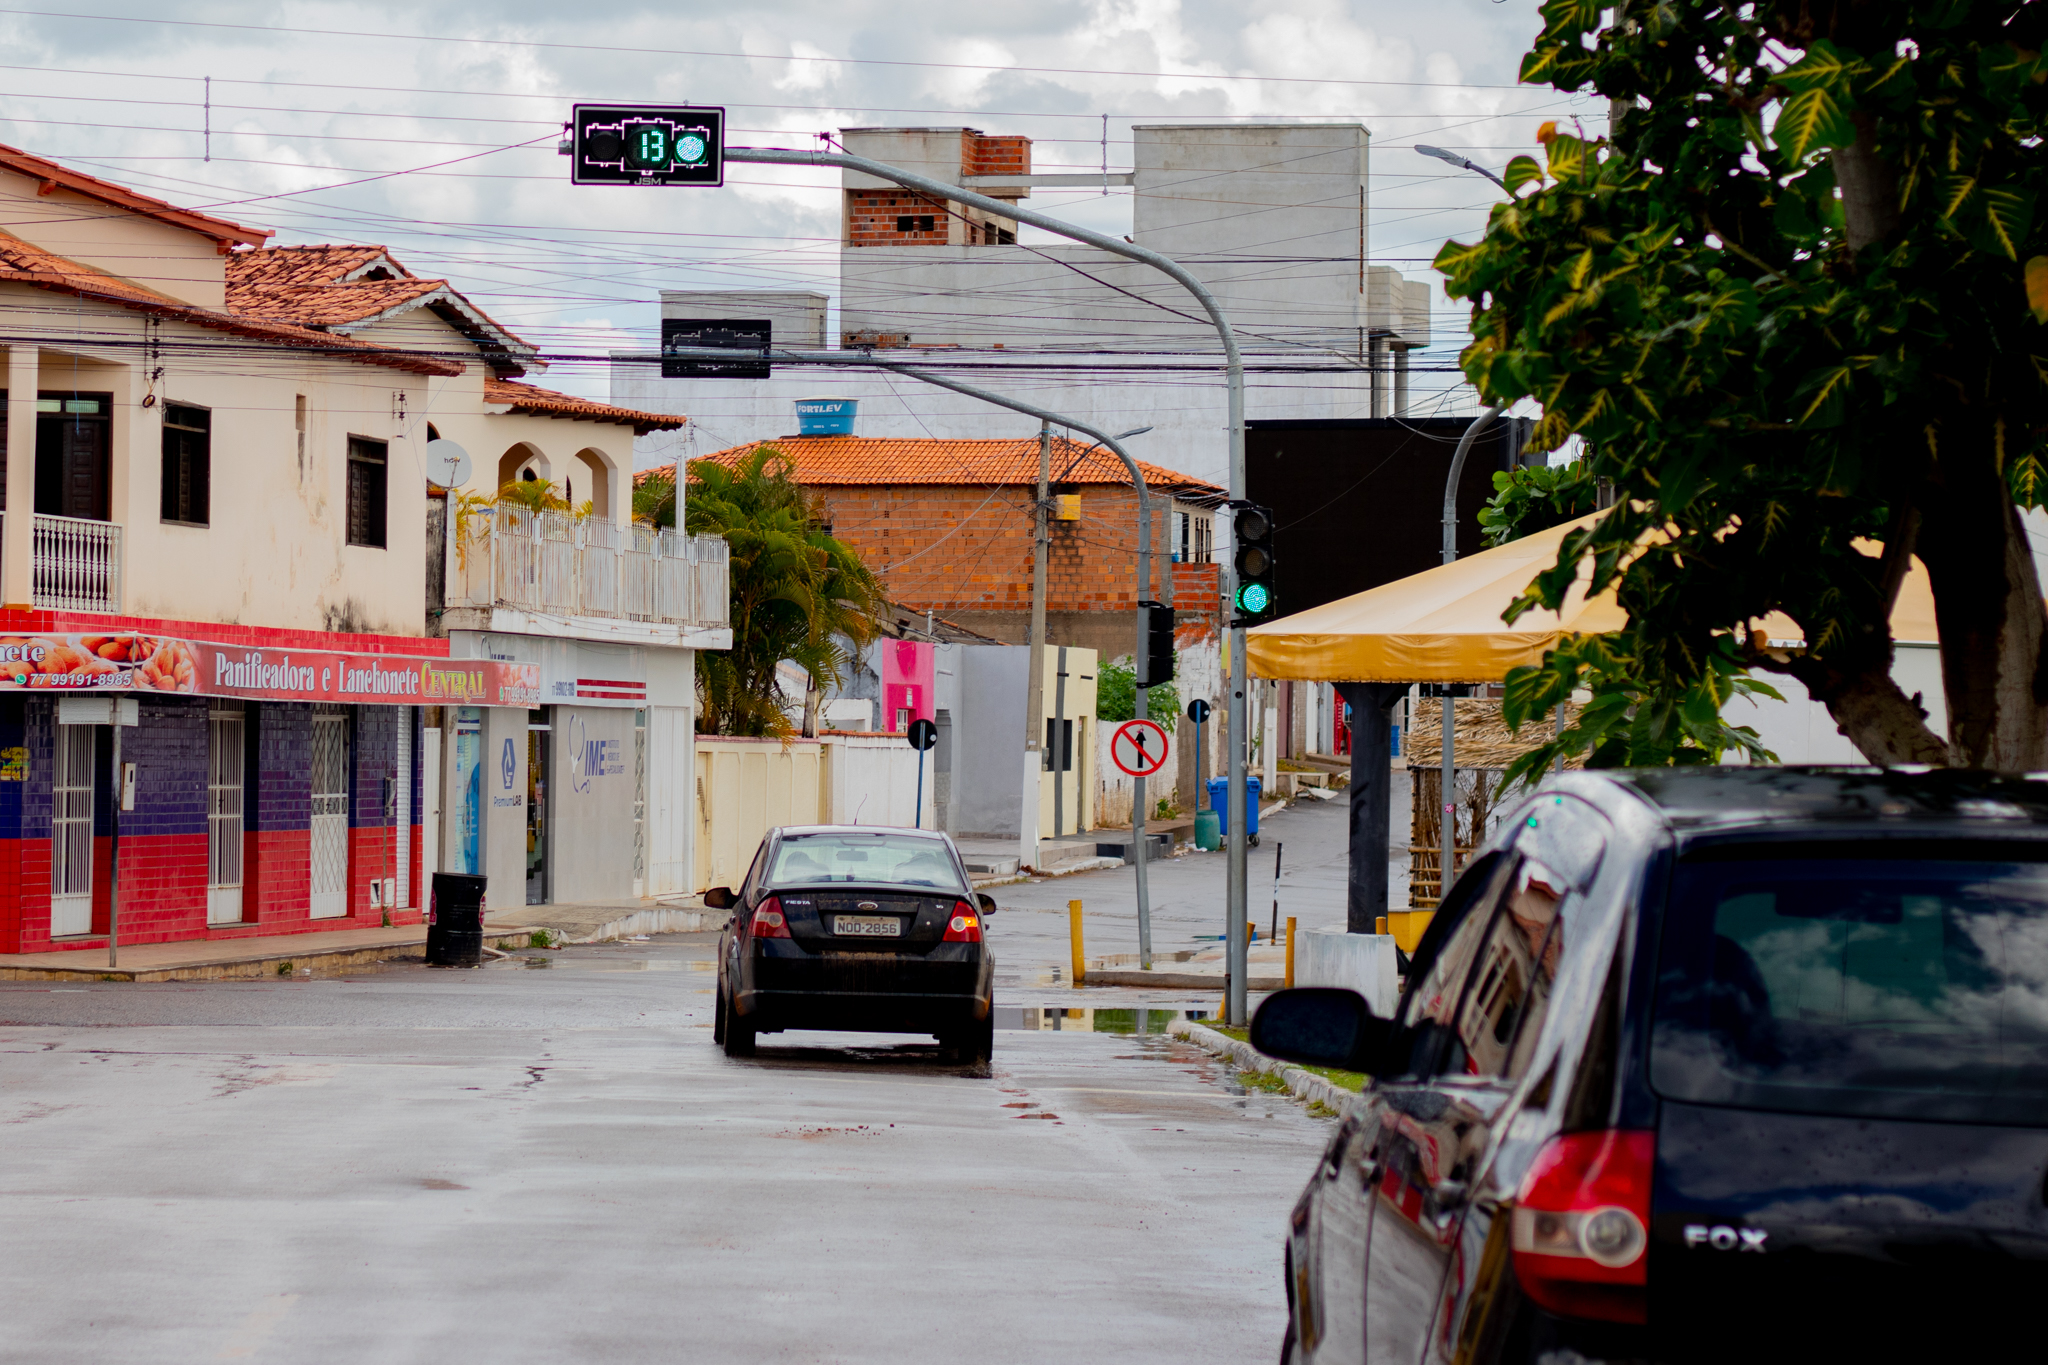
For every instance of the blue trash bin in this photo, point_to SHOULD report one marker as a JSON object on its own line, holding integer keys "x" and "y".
{"x": 1219, "y": 801}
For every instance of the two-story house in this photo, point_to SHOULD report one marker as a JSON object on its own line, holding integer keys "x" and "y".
{"x": 215, "y": 549}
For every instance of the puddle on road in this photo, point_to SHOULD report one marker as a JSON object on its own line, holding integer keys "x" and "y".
{"x": 1033, "y": 1018}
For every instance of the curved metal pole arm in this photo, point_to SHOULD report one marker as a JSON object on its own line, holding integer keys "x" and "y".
{"x": 1479, "y": 424}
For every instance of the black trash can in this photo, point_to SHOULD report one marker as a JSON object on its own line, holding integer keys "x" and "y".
{"x": 455, "y": 921}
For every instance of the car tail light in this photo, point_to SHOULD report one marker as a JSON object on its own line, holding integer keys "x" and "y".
{"x": 1581, "y": 1226}
{"x": 965, "y": 926}
{"x": 768, "y": 920}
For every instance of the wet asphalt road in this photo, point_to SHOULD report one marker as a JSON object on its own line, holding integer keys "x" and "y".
{"x": 555, "y": 1164}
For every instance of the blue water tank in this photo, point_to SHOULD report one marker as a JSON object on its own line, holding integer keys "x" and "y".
{"x": 826, "y": 416}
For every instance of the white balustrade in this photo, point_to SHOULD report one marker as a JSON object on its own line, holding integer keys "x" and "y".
{"x": 553, "y": 562}
{"x": 77, "y": 564}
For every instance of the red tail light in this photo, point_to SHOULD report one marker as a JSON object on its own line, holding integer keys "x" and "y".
{"x": 768, "y": 920}
{"x": 1582, "y": 1226}
{"x": 965, "y": 926}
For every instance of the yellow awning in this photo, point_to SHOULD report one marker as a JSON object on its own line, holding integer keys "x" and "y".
{"x": 1443, "y": 625}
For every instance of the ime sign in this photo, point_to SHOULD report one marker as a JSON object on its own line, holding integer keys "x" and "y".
{"x": 648, "y": 145}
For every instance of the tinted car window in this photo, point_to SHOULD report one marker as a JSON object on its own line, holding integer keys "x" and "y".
{"x": 864, "y": 860}
{"x": 1902, "y": 986}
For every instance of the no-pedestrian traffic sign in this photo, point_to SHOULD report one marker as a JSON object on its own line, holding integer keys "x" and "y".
{"x": 1138, "y": 747}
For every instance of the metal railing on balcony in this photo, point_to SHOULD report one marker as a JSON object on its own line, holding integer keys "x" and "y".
{"x": 76, "y": 564}
{"x": 555, "y": 563}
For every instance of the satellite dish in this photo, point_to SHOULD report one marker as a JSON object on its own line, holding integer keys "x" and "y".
{"x": 447, "y": 464}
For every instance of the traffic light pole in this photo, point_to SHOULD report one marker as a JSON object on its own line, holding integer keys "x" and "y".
{"x": 1236, "y": 900}
{"x": 865, "y": 360}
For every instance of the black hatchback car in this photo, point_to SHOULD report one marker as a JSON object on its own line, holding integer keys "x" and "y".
{"x": 1712, "y": 1064}
{"x": 858, "y": 928}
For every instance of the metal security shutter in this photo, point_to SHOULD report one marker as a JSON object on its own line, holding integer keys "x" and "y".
{"x": 71, "y": 833}
{"x": 329, "y": 844}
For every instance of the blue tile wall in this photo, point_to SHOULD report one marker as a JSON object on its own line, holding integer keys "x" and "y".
{"x": 284, "y": 768}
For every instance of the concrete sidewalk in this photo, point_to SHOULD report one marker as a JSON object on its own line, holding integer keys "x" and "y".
{"x": 319, "y": 954}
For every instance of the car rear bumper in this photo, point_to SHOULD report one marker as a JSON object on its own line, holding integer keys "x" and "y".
{"x": 864, "y": 991}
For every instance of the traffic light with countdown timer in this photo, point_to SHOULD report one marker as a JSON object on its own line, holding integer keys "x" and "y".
{"x": 1251, "y": 528}
{"x": 662, "y": 144}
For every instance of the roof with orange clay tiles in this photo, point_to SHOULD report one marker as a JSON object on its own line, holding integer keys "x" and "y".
{"x": 846, "y": 461}
{"x": 337, "y": 287}
{"x": 53, "y": 175}
{"x": 539, "y": 402}
{"x": 25, "y": 263}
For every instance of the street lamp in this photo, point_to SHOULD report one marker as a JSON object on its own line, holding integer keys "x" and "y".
{"x": 1460, "y": 162}
{"x": 1450, "y": 552}
{"x": 1236, "y": 897}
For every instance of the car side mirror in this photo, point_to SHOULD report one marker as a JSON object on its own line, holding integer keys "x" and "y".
{"x": 1323, "y": 1026}
{"x": 719, "y": 898}
{"x": 986, "y": 902}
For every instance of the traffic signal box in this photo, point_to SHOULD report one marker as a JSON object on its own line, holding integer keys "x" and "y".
{"x": 648, "y": 145}
{"x": 1252, "y": 534}
{"x": 1155, "y": 666}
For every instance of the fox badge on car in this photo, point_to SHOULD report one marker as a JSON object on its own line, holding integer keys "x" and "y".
{"x": 1721, "y": 1237}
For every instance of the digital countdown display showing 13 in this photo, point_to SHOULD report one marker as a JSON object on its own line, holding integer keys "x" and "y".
{"x": 648, "y": 145}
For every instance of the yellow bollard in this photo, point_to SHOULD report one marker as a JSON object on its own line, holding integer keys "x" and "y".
{"x": 1290, "y": 952}
{"x": 1379, "y": 926}
{"x": 1074, "y": 928}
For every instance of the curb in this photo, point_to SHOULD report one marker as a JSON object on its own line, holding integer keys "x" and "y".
{"x": 314, "y": 962}
{"x": 1175, "y": 981}
{"x": 1305, "y": 1085}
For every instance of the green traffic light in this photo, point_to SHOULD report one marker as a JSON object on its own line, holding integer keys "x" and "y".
{"x": 690, "y": 149}
{"x": 1254, "y": 598}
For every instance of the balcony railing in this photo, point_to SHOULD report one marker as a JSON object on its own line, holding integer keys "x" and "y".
{"x": 76, "y": 564}
{"x": 555, "y": 563}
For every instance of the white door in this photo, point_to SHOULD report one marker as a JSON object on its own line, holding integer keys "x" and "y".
{"x": 329, "y": 877}
{"x": 430, "y": 804}
{"x": 402, "y": 817}
{"x": 71, "y": 833}
{"x": 224, "y": 753}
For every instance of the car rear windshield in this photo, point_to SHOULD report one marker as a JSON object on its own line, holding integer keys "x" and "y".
{"x": 1895, "y": 985}
{"x": 864, "y": 860}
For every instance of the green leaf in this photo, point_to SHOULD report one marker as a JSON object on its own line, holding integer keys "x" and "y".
{"x": 2006, "y": 70}
{"x": 1822, "y": 68}
{"x": 1569, "y": 18}
{"x": 1520, "y": 172}
{"x": 2001, "y": 227}
{"x": 1567, "y": 157}
{"x": 1827, "y": 394}
{"x": 1810, "y": 120}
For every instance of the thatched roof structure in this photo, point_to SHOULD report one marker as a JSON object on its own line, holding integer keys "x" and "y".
{"x": 1484, "y": 740}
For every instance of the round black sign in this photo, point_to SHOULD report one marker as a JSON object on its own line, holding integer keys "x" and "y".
{"x": 1198, "y": 711}
{"x": 923, "y": 734}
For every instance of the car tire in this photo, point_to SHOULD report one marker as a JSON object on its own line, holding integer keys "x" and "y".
{"x": 739, "y": 1036}
{"x": 985, "y": 1038}
{"x": 718, "y": 1018}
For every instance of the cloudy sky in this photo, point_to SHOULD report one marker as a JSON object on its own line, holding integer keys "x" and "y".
{"x": 430, "y": 127}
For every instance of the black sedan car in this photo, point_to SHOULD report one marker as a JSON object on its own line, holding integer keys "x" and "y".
{"x": 858, "y": 928}
{"x": 1709, "y": 1064}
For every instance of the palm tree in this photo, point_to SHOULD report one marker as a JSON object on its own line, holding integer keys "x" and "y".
{"x": 654, "y": 498}
{"x": 796, "y": 592}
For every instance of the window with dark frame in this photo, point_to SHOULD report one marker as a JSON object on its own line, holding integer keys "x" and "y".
{"x": 188, "y": 464}
{"x": 366, "y": 485}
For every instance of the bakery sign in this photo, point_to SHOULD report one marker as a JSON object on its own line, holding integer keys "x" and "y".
{"x": 131, "y": 661}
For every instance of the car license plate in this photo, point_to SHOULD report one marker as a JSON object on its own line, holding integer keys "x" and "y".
{"x": 867, "y": 926}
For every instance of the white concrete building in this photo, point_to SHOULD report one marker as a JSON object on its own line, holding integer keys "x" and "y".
{"x": 1270, "y": 217}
